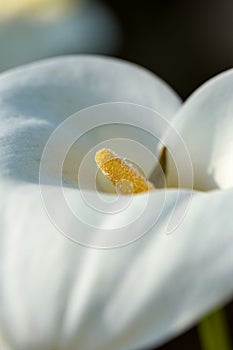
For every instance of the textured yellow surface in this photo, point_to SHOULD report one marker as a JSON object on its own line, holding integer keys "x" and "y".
{"x": 121, "y": 174}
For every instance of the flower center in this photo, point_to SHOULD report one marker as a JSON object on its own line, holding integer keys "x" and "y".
{"x": 123, "y": 175}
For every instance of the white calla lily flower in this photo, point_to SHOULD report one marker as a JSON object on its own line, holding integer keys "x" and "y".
{"x": 57, "y": 294}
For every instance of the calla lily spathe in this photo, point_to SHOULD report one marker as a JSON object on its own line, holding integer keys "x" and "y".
{"x": 57, "y": 294}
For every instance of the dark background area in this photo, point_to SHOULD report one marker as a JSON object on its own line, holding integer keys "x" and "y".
{"x": 185, "y": 43}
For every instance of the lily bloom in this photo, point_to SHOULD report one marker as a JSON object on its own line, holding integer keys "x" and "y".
{"x": 57, "y": 294}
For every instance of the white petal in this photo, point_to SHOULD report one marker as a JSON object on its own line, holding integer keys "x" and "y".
{"x": 36, "y": 99}
{"x": 205, "y": 123}
{"x": 56, "y": 88}
{"x": 55, "y": 293}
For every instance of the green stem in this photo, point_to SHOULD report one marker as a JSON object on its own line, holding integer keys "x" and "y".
{"x": 213, "y": 332}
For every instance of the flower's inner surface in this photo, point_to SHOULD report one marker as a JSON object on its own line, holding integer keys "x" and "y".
{"x": 124, "y": 177}
{"x": 79, "y": 167}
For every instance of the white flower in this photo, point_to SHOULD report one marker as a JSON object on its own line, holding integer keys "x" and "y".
{"x": 57, "y": 294}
